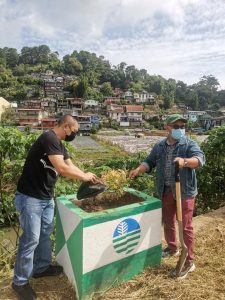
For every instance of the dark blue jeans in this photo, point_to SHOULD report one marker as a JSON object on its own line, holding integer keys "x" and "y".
{"x": 34, "y": 251}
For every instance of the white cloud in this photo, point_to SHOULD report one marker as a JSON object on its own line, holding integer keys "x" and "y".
{"x": 182, "y": 39}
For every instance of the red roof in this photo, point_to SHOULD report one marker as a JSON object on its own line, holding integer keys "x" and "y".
{"x": 134, "y": 108}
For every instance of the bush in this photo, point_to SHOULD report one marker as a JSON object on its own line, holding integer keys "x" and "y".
{"x": 14, "y": 146}
{"x": 211, "y": 178}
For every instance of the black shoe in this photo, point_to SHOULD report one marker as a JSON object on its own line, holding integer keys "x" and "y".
{"x": 50, "y": 271}
{"x": 24, "y": 292}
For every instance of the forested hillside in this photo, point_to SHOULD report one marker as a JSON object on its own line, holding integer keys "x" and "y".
{"x": 95, "y": 77}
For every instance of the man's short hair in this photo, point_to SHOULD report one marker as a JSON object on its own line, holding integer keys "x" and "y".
{"x": 69, "y": 119}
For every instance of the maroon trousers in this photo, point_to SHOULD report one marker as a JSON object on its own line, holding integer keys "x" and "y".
{"x": 169, "y": 220}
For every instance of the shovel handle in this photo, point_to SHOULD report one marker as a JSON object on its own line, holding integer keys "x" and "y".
{"x": 178, "y": 193}
{"x": 184, "y": 251}
{"x": 177, "y": 175}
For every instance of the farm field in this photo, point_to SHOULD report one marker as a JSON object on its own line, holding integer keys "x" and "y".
{"x": 112, "y": 144}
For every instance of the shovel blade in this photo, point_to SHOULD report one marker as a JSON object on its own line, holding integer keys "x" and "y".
{"x": 89, "y": 189}
{"x": 184, "y": 250}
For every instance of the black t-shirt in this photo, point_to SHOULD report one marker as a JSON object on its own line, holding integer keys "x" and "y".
{"x": 39, "y": 176}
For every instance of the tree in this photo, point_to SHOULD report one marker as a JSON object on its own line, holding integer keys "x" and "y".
{"x": 81, "y": 89}
{"x": 54, "y": 62}
{"x": 72, "y": 86}
{"x": 136, "y": 87}
{"x": 155, "y": 84}
{"x": 11, "y": 56}
{"x": 181, "y": 90}
{"x": 221, "y": 97}
{"x": 43, "y": 54}
{"x": 132, "y": 74}
{"x": 169, "y": 93}
{"x": 211, "y": 178}
{"x": 71, "y": 65}
{"x": 20, "y": 70}
{"x": 8, "y": 117}
{"x": 206, "y": 89}
{"x": 106, "y": 89}
{"x": 191, "y": 99}
{"x": 2, "y": 58}
{"x": 210, "y": 81}
{"x": 35, "y": 55}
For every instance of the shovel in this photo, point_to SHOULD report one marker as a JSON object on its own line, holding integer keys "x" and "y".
{"x": 184, "y": 250}
{"x": 89, "y": 189}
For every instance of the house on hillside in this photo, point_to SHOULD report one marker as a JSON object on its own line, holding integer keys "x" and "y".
{"x": 76, "y": 104}
{"x": 48, "y": 123}
{"x": 182, "y": 106}
{"x": 209, "y": 122}
{"x": 115, "y": 112}
{"x": 35, "y": 103}
{"x": 90, "y": 103}
{"x": 126, "y": 115}
{"x": 85, "y": 124}
{"x": 117, "y": 92}
{"x": 193, "y": 116}
{"x": 49, "y": 104}
{"x": 111, "y": 100}
{"x": 128, "y": 95}
{"x": 134, "y": 114}
{"x": 30, "y": 116}
{"x": 3, "y": 105}
{"x": 54, "y": 87}
{"x": 145, "y": 97}
{"x": 47, "y": 75}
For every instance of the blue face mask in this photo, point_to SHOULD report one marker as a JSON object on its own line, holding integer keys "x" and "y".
{"x": 177, "y": 134}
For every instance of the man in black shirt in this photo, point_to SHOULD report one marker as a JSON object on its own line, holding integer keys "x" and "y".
{"x": 46, "y": 159}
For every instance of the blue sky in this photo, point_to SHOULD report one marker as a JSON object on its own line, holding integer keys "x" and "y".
{"x": 180, "y": 39}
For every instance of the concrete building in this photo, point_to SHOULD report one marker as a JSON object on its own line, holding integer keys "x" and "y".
{"x": 3, "y": 105}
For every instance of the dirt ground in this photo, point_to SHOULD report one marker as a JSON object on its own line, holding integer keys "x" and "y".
{"x": 207, "y": 282}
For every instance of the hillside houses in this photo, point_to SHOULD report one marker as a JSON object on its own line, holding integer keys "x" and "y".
{"x": 126, "y": 115}
{"x": 29, "y": 116}
{"x": 54, "y": 87}
{"x": 193, "y": 116}
{"x": 145, "y": 97}
{"x": 127, "y": 108}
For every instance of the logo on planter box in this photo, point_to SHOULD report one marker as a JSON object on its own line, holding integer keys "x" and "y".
{"x": 126, "y": 236}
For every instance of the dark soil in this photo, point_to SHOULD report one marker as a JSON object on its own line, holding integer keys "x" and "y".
{"x": 106, "y": 201}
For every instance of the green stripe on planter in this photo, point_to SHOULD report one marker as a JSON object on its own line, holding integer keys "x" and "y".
{"x": 75, "y": 243}
{"x": 127, "y": 247}
{"x": 127, "y": 241}
{"x": 60, "y": 237}
{"x": 127, "y": 235}
{"x": 101, "y": 278}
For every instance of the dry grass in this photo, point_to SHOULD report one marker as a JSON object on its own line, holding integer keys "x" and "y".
{"x": 207, "y": 282}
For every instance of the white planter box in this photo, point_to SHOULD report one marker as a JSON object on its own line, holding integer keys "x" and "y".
{"x": 101, "y": 249}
